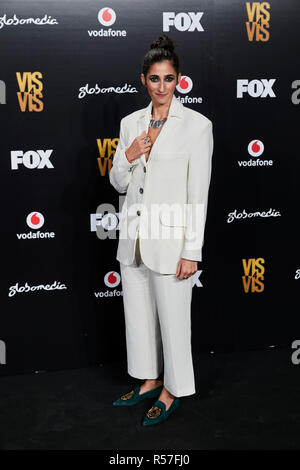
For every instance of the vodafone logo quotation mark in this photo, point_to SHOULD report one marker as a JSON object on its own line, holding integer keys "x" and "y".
{"x": 107, "y": 16}
{"x": 255, "y": 148}
{"x": 112, "y": 279}
{"x": 35, "y": 220}
{"x": 185, "y": 85}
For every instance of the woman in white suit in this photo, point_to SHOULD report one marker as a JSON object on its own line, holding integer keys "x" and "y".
{"x": 163, "y": 164}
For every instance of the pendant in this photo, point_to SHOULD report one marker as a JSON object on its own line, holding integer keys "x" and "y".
{"x": 158, "y": 123}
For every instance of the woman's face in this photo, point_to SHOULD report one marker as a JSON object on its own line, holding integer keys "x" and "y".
{"x": 161, "y": 81}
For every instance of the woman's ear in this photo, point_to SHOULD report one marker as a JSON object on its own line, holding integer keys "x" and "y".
{"x": 178, "y": 78}
{"x": 143, "y": 79}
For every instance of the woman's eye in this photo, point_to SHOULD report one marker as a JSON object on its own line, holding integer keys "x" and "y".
{"x": 167, "y": 79}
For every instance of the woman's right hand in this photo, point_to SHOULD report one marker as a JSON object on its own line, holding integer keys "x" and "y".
{"x": 138, "y": 147}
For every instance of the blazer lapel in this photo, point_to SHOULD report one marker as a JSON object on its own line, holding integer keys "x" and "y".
{"x": 175, "y": 115}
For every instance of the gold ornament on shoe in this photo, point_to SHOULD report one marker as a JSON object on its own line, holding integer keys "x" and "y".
{"x": 154, "y": 412}
{"x": 127, "y": 396}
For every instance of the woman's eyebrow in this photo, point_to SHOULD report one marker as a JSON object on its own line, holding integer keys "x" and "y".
{"x": 168, "y": 75}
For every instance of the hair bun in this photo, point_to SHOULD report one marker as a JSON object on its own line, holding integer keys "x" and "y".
{"x": 163, "y": 42}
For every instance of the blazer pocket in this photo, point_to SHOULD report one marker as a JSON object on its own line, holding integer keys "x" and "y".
{"x": 173, "y": 217}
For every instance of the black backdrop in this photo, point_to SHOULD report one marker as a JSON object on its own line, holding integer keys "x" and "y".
{"x": 57, "y": 144}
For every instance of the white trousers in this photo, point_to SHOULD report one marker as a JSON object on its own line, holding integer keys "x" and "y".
{"x": 157, "y": 309}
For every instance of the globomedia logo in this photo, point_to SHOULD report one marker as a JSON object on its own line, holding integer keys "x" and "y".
{"x": 235, "y": 215}
{"x": 255, "y": 149}
{"x": 96, "y": 90}
{"x": 184, "y": 87}
{"x": 16, "y": 21}
{"x": 107, "y": 17}
{"x": 35, "y": 220}
{"x": 21, "y": 289}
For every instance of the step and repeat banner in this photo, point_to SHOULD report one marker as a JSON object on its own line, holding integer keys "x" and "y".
{"x": 70, "y": 70}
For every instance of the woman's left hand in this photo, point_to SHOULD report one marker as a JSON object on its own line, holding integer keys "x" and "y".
{"x": 185, "y": 268}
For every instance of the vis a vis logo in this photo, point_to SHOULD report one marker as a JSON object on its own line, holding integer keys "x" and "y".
{"x": 258, "y": 24}
{"x": 30, "y": 91}
{"x": 253, "y": 278}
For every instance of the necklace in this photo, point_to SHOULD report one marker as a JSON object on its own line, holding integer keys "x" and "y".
{"x": 157, "y": 124}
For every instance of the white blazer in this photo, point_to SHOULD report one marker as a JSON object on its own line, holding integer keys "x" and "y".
{"x": 168, "y": 193}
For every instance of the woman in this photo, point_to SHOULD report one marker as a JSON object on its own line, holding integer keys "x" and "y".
{"x": 162, "y": 162}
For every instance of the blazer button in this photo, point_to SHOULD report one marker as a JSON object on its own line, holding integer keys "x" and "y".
{"x": 138, "y": 212}
{"x": 145, "y": 169}
{"x": 141, "y": 190}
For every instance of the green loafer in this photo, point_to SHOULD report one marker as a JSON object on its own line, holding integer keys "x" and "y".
{"x": 134, "y": 396}
{"x": 158, "y": 413}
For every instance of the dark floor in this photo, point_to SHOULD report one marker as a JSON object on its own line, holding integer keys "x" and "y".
{"x": 247, "y": 400}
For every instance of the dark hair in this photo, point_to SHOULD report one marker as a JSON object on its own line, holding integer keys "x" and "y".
{"x": 161, "y": 49}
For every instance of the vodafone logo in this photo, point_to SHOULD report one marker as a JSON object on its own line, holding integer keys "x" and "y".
{"x": 255, "y": 148}
{"x": 185, "y": 85}
{"x": 107, "y": 16}
{"x": 35, "y": 220}
{"x": 112, "y": 279}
